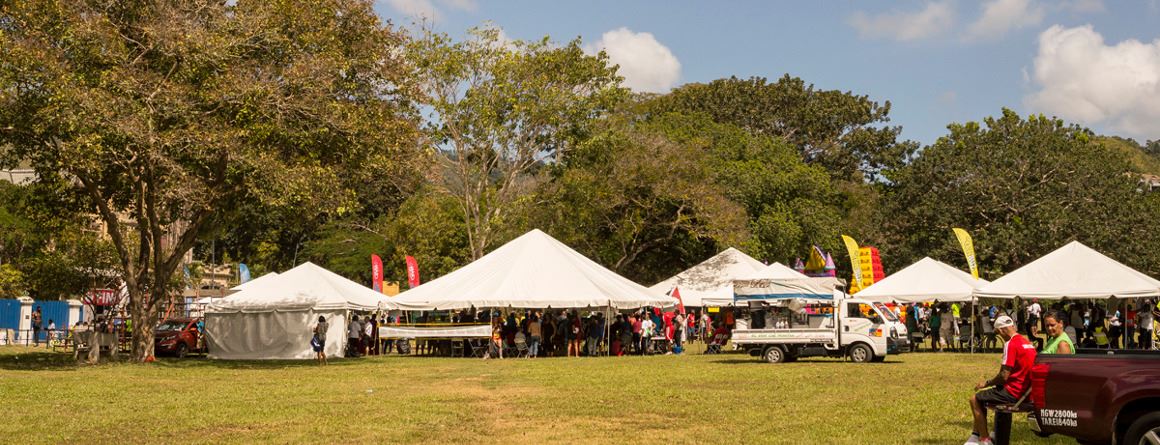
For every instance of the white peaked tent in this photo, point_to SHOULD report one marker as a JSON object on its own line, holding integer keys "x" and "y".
{"x": 255, "y": 281}
{"x": 775, "y": 271}
{"x": 928, "y": 279}
{"x": 1073, "y": 271}
{"x": 273, "y": 318}
{"x": 532, "y": 271}
{"x": 710, "y": 283}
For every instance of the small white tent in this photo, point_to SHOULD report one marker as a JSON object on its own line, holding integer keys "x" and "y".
{"x": 775, "y": 271}
{"x": 710, "y": 283}
{"x": 928, "y": 279}
{"x": 532, "y": 271}
{"x": 273, "y": 318}
{"x": 1073, "y": 271}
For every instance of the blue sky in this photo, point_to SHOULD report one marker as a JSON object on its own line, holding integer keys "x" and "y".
{"x": 1092, "y": 62}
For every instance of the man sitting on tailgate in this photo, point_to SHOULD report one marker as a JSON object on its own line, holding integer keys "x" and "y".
{"x": 1008, "y": 386}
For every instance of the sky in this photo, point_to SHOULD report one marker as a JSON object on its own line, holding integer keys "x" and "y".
{"x": 1091, "y": 62}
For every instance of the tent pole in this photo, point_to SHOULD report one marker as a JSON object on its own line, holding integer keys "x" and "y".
{"x": 974, "y": 315}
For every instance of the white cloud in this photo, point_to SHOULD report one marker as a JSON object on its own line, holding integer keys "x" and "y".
{"x": 1000, "y": 16}
{"x": 1080, "y": 78}
{"x": 426, "y": 9}
{"x": 646, "y": 64}
{"x": 935, "y": 18}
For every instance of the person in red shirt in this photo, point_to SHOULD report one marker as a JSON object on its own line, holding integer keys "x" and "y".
{"x": 1013, "y": 380}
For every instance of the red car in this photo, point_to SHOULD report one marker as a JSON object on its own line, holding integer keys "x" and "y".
{"x": 1104, "y": 397}
{"x": 178, "y": 336}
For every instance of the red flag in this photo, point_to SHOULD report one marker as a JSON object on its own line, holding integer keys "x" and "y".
{"x": 377, "y": 273}
{"x": 680, "y": 302}
{"x": 412, "y": 271}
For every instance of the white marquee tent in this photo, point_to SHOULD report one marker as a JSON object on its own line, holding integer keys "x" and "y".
{"x": 236, "y": 289}
{"x": 273, "y": 318}
{"x": 928, "y": 279}
{"x": 710, "y": 283}
{"x": 775, "y": 271}
{"x": 532, "y": 271}
{"x": 1073, "y": 271}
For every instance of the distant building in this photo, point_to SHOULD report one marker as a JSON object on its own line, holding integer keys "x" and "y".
{"x": 1148, "y": 183}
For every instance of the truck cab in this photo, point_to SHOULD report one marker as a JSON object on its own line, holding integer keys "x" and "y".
{"x": 858, "y": 329}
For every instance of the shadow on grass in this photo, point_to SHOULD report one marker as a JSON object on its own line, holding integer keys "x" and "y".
{"x": 37, "y": 361}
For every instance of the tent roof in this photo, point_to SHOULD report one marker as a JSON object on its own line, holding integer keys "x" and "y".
{"x": 775, "y": 271}
{"x": 532, "y": 271}
{"x": 927, "y": 279}
{"x": 254, "y": 282}
{"x": 1074, "y": 271}
{"x": 307, "y": 286}
{"x": 710, "y": 283}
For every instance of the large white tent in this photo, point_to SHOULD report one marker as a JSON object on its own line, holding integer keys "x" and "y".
{"x": 710, "y": 283}
{"x": 775, "y": 271}
{"x": 273, "y": 318}
{"x": 1073, "y": 271}
{"x": 532, "y": 271}
{"x": 928, "y": 279}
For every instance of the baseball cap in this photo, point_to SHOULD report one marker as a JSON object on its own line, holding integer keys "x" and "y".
{"x": 1004, "y": 322}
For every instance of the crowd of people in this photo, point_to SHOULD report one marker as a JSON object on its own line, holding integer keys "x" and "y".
{"x": 573, "y": 334}
{"x": 1111, "y": 324}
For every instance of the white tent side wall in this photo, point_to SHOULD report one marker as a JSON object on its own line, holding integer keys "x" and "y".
{"x": 272, "y": 335}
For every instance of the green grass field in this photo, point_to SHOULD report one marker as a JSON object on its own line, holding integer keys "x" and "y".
{"x": 730, "y": 398}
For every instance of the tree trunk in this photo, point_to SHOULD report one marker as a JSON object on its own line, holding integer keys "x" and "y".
{"x": 144, "y": 323}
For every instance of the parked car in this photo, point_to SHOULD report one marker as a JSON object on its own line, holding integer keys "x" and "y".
{"x": 1098, "y": 396}
{"x": 178, "y": 336}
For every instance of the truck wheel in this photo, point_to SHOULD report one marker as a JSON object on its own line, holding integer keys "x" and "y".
{"x": 774, "y": 354}
{"x": 182, "y": 350}
{"x": 861, "y": 353}
{"x": 1144, "y": 431}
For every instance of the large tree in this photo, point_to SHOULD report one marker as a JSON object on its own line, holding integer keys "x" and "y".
{"x": 839, "y": 130}
{"x": 163, "y": 115}
{"x": 1022, "y": 187}
{"x": 498, "y": 111}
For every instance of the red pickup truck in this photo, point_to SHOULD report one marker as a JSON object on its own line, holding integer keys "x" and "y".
{"x": 1098, "y": 396}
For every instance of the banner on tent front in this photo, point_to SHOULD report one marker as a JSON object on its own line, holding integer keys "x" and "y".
{"x": 376, "y": 273}
{"x": 412, "y": 272}
{"x": 855, "y": 258}
{"x": 680, "y": 302}
{"x": 968, "y": 250}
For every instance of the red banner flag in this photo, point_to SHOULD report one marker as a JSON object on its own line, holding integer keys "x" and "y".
{"x": 412, "y": 271}
{"x": 376, "y": 273}
{"x": 680, "y": 302}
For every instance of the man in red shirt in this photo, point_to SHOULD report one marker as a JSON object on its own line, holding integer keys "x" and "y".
{"x": 1013, "y": 380}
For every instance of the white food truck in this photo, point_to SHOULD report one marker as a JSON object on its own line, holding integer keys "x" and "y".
{"x": 785, "y": 319}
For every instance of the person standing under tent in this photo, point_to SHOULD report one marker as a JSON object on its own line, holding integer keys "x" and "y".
{"x": 575, "y": 333}
{"x": 318, "y": 342}
{"x": 625, "y": 336}
{"x": 354, "y": 332}
{"x": 646, "y": 332}
{"x": 1144, "y": 320}
{"x": 956, "y": 317}
{"x": 706, "y": 326}
{"x": 678, "y": 333}
{"x": 1008, "y": 386}
{"x": 1115, "y": 327}
{"x": 368, "y": 339}
{"x": 535, "y": 334}
{"x": 1130, "y": 326}
{"x": 935, "y": 328}
{"x": 947, "y": 327}
{"x": 636, "y": 322}
{"x": 1034, "y": 312}
{"x": 1075, "y": 316}
{"x": 1058, "y": 342}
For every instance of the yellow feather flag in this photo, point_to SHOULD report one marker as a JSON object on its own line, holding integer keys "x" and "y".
{"x": 968, "y": 250}
{"x": 852, "y": 249}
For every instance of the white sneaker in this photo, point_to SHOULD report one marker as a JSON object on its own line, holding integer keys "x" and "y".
{"x": 973, "y": 440}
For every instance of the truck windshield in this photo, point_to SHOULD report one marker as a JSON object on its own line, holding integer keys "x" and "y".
{"x": 171, "y": 325}
{"x": 886, "y": 312}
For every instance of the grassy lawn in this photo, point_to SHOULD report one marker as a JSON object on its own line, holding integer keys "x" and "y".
{"x": 731, "y": 398}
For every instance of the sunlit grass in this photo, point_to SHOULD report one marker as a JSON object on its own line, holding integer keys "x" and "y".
{"x": 730, "y": 398}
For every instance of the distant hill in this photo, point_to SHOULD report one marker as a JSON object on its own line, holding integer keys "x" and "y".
{"x": 1141, "y": 159}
